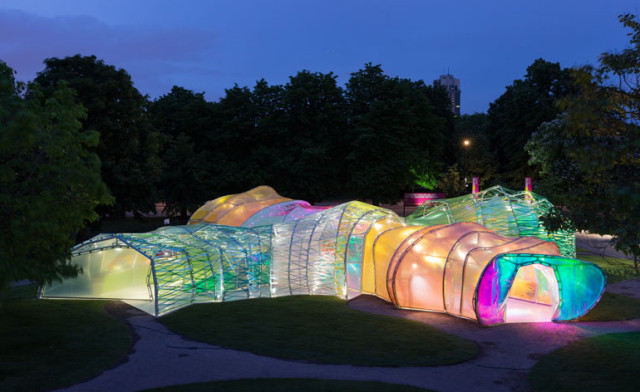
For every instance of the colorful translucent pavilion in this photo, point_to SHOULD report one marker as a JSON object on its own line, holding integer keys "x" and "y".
{"x": 463, "y": 269}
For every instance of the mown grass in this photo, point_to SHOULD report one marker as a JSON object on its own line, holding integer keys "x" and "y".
{"x": 46, "y": 345}
{"x": 614, "y": 307}
{"x": 289, "y": 385}
{"x": 603, "y": 363}
{"x": 615, "y": 268}
{"x": 319, "y": 329}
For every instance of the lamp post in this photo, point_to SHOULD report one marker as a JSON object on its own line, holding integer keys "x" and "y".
{"x": 465, "y": 146}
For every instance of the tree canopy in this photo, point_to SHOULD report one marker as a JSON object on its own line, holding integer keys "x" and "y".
{"x": 184, "y": 120}
{"x": 392, "y": 130}
{"x": 519, "y": 111}
{"x": 50, "y": 181}
{"x": 590, "y": 154}
{"x": 128, "y": 146}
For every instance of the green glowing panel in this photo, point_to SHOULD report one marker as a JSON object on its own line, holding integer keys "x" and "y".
{"x": 509, "y": 213}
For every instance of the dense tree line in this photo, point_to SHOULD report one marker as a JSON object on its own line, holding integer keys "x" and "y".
{"x": 309, "y": 138}
{"x": 82, "y": 142}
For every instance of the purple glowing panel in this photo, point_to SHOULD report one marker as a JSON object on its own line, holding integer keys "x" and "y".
{"x": 282, "y": 212}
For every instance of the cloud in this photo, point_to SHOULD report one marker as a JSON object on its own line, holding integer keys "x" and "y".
{"x": 149, "y": 53}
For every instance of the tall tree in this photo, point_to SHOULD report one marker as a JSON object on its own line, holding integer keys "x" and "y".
{"x": 392, "y": 130}
{"x": 315, "y": 145}
{"x": 128, "y": 145}
{"x": 50, "y": 182}
{"x": 190, "y": 156}
{"x": 517, "y": 113}
{"x": 248, "y": 128}
{"x": 590, "y": 155}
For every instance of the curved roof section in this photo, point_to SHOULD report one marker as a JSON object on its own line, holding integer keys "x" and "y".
{"x": 510, "y": 213}
{"x": 258, "y": 207}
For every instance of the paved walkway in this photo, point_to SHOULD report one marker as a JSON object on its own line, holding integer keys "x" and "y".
{"x": 507, "y": 352}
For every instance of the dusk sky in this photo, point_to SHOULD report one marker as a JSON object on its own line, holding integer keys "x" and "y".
{"x": 209, "y": 45}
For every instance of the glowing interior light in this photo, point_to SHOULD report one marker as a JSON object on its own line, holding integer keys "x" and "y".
{"x": 478, "y": 272}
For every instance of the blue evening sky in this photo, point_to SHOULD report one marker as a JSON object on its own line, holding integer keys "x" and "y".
{"x": 209, "y": 45}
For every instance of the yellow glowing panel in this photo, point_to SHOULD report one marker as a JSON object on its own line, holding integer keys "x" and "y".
{"x": 383, "y": 250}
{"x": 216, "y": 211}
{"x": 368, "y": 266}
{"x": 238, "y": 215}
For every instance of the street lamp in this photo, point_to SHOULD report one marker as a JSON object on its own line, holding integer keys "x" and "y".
{"x": 465, "y": 146}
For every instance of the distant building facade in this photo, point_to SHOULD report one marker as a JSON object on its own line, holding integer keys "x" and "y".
{"x": 452, "y": 85}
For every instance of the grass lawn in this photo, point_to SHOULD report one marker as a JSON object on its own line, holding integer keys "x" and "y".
{"x": 319, "y": 329}
{"x": 289, "y": 385}
{"x": 616, "y": 269}
{"x": 51, "y": 344}
{"x": 614, "y": 307}
{"x": 603, "y": 363}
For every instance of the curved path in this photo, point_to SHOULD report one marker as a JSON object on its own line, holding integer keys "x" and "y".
{"x": 507, "y": 352}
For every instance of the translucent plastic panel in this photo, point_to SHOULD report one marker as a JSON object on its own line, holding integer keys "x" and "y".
{"x": 114, "y": 273}
{"x": 478, "y": 259}
{"x": 273, "y": 214}
{"x": 383, "y": 250}
{"x": 303, "y": 211}
{"x": 417, "y": 279}
{"x": 534, "y": 295}
{"x": 214, "y": 211}
{"x": 238, "y": 215}
{"x": 284, "y": 211}
{"x": 580, "y": 286}
{"x": 174, "y": 266}
{"x": 438, "y": 268}
{"x": 356, "y": 248}
{"x": 507, "y": 212}
{"x": 368, "y": 262}
{"x": 199, "y": 215}
{"x": 322, "y": 253}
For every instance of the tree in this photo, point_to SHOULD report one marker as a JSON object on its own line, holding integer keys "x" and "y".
{"x": 290, "y": 137}
{"x": 190, "y": 156}
{"x": 477, "y": 159}
{"x": 590, "y": 154}
{"x": 392, "y": 129}
{"x": 517, "y": 113}
{"x": 128, "y": 145}
{"x": 450, "y": 182}
{"x": 249, "y": 128}
{"x": 50, "y": 181}
{"x": 315, "y": 143}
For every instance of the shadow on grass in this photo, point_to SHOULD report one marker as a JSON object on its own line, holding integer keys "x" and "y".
{"x": 614, "y": 307}
{"x": 46, "y": 345}
{"x": 319, "y": 329}
{"x": 603, "y": 363}
{"x": 289, "y": 385}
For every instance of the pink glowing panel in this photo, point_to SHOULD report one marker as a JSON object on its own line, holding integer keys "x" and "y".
{"x": 282, "y": 212}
